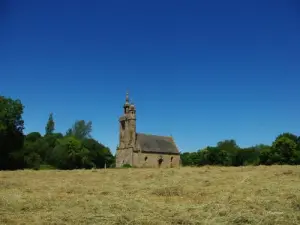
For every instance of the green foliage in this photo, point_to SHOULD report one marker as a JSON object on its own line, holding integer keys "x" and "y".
{"x": 33, "y": 136}
{"x": 288, "y": 135}
{"x": 230, "y": 151}
{"x": 99, "y": 155}
{"x": 77, "y": 149}
{"x": 69, "y": 153}
{"x": 284, "y": 150}
{"x": 218, "y": 156}
{"x": 80, "y": 130}
{"x": 126, "y": 166}
{"x": 46, "y": 167}
{"x": 190, "y": 159}
{"x": 33, "y": 160}
{"x": 228, "y": 145}
{"x": 50, "y": 125}
{"x": 227, "y": 153}
{"x": 11, "y": 134}
{"x": 247, "y": 156}
{"x": 11, "y": 115}
{"x": 51, "y": 140}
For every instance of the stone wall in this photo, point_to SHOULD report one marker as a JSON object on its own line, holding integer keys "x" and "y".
{"x": 152, "y": 160}
{"x": 123, "y": 156}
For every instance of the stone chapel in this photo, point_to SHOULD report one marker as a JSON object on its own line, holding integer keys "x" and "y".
{"x": 143, "y": 150}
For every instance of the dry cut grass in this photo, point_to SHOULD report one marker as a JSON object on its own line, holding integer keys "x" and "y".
{"x": 207, "y": 195}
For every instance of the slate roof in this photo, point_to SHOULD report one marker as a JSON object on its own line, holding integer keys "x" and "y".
{"x": 156, "y": 144}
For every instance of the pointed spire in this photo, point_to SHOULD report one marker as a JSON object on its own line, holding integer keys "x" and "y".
{"x": 127, "y": 97}
{"x": 126, "y": 105}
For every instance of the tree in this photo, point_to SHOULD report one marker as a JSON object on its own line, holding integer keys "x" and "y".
{"x": 35, "y": 150}
{"x": 52, "y": 141}
{"x": 80, "y": 130}
{"x": 33, "y": 136}
{"x": 216, "y": 156}
{"x": 11, "y": 133}
{"x": 289, "y": 135}
{"x": 231, "y": 149}
{"x": 247, "y": 156}
{"x": 284, "y": 150}
{"x": 69, "y": 153}
{"x": 265, "y": 157}
{"x": 33, "y": 160}
{"x": 228, "y": 145}
{"x": 293, "y": 137}
{"x": 50, "y": 125}
{"x": 191, "y": 158}
{"x": 99, "y": 155}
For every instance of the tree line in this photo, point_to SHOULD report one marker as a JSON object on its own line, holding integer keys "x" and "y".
{"x": 285, "y": 149}
{"x": 72, "y": 150}
{"x": 76, "y": 148}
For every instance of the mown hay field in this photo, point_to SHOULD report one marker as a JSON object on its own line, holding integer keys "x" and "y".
{"x": 267, "y": 195}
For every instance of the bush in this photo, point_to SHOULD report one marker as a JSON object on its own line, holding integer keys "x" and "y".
{"x": 126, "y": 166}
{"x": 33, "y": 161}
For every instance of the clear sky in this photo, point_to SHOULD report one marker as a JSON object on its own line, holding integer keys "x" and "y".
{"x": 202, "y": 71}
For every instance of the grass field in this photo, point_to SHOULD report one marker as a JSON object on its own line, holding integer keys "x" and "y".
{"x": 206, "y": 195}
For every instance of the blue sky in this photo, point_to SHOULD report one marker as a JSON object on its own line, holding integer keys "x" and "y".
{"x": 202, "y": 71}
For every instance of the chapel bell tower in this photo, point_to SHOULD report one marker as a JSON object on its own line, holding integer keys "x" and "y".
{"x": 127, "y": 128}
